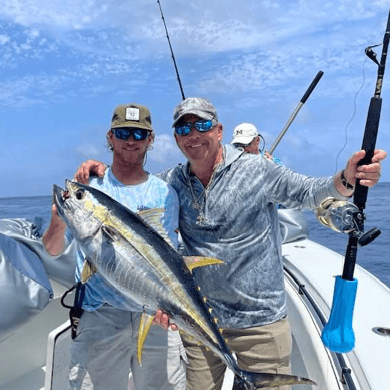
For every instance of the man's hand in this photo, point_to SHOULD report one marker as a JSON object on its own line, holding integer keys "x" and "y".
{"x": 162, "y": 319}
{"x": 53, "y": 240}
{"x": 89, "y": 168}
{"x": 367, "y": 174}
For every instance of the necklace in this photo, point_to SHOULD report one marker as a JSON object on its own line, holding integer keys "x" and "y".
{"x": 201, "y": 219}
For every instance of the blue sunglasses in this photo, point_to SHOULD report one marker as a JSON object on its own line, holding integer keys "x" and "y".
{"x": 124, "y": 133}
{"x": 201, "y": 125}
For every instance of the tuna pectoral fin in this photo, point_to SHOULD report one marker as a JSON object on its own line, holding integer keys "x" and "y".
{"x": 196, "y": 261}
{"x": 144, "y": 326}
{"x": 251, "y": 380}
{"x": 153, "y": 218}
{"x": 88, "y": 270}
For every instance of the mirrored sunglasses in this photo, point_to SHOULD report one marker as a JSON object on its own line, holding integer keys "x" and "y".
{"x": 124, "y": 133}
{"x": 201, "y": 125}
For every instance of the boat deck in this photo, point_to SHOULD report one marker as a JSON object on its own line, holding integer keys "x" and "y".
{"x": 28, "y": 353}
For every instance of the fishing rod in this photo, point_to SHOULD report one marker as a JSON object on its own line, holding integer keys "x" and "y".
{"x": 299, "y": 106}
{"x": 338, "y": 334}
{"x": 173, "y": 57}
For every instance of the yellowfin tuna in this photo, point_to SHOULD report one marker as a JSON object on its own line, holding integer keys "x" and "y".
{"x": 134, "y": 253}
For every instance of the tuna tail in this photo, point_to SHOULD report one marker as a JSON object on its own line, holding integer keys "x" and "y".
{"x": 246, "y": 380}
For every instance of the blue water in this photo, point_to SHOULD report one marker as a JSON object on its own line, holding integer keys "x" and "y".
{"x": 374, "y": 257}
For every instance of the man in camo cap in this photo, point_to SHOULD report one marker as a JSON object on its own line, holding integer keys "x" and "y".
{"x": 197, "y": 106}
{"x": 228, "y": 201}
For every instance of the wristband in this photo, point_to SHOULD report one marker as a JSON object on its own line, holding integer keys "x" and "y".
{"x": 344, "y": 181}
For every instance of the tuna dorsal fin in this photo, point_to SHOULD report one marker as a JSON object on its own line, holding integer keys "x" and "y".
{"x": 153, "y": 218}
{"x": 88, "y": 270}
{"x": 197, "y": 261}
{"x": 144, "y": 327}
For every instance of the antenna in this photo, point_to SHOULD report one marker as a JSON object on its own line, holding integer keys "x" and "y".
{"x": 170, "y": 46}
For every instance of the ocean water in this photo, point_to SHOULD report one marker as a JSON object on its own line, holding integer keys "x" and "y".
{"x": 375, "y": 257}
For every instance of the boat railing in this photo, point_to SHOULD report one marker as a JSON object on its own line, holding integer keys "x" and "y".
{"x": 345, "y": 371}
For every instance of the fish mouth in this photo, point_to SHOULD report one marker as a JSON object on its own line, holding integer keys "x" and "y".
{"x": 60, "y": 195}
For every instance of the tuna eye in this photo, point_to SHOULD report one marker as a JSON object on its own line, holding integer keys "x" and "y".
{"x": 79, "y": 194}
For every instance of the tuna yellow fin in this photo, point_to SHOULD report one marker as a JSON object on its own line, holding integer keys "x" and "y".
{"x": 88, "y": 270}
{"x": 197, "y": 261}
{"x": 153, "y": 218}
{"x": 144, "y": 327}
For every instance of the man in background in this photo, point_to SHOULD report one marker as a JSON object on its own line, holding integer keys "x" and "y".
{"x": 246, "y": 136}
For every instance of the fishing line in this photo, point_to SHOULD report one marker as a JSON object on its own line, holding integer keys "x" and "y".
{"x": 353, "y": 115}
{"x": 372, "y": 55}
{"x": 263, "y": 148}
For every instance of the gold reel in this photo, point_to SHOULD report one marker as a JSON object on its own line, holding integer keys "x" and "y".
{"x": 337, "y": 215}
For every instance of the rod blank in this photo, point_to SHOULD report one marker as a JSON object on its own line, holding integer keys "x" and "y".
{"x": 294, "y": 114}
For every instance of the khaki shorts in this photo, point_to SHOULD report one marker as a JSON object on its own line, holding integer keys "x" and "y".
{"x": 261, "y": 349}
{"x": 105, "y": 350}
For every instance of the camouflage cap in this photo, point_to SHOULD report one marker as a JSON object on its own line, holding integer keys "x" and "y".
{"x": 131, "y": 115}
{"x": 198, "y": 106}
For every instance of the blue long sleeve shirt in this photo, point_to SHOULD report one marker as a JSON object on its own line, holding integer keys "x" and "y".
{"x": 238, "y": 223}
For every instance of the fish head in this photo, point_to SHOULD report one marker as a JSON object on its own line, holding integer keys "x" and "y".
{"x": 79, "y": 208}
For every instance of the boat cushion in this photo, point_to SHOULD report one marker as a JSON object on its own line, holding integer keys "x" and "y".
{"x": 24, "y": 285}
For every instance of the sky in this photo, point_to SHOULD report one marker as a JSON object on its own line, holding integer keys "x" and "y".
{"x": 65, "y": 65}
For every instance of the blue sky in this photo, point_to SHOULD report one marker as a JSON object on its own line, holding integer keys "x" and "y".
{"x": 65, "y": 65}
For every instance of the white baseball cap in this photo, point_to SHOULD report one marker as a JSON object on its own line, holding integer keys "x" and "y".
{"x": 244, "y": 133}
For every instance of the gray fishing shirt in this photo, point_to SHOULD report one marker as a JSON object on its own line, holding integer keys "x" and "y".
{"x": 238, "y": 223}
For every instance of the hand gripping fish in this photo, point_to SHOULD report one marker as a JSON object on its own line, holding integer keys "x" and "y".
{"x": 133, "y": 253}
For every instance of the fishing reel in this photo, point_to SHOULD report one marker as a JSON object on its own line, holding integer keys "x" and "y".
{"x": 345, "y": 217}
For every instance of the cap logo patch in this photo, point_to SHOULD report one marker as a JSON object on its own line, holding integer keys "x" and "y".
{"x": 239, "y": 132}
{"x": 132, "y": 114}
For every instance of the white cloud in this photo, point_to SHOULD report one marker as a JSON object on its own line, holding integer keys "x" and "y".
{"x": 89, "y": 151}
{"x": 164, "y": 149}
{"x": 4, "y": 39}
{"x": 62, "y": 14}
{"x": 261, "y": 46}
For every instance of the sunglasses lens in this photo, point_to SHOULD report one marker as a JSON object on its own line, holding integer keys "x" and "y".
{"x": 203, "y": 125}
{"x": 140, "y": 134}
{"x": 183, "y": 129}
{"x": 124, "y": 134}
